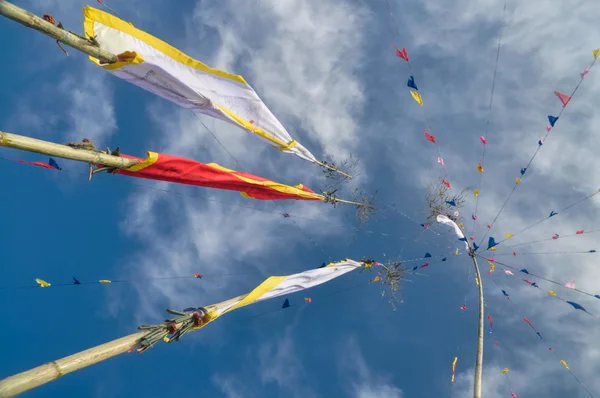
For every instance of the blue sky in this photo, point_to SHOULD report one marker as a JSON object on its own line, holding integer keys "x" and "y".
{"x": 327, "y": 70}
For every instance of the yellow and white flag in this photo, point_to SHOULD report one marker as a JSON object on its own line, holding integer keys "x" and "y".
{"x": 277, "y": 286}
{"x": 156, "y": 66}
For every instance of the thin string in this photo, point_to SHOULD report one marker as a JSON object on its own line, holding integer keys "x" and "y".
{"x": 535, "y": 153}
{"x": 546, "y": 279}
{"x": 579, "y": 201}
{"x": 427, "y": 124}
{"x": 554, "y": 353}
{"x": 487, "y": 123}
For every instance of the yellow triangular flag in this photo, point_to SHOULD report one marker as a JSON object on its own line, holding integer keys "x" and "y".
{"x": 456, "y": 252}
{"x": 477, "y": 281}
{"x": 461, "y": 226}
{"x": 517, "y": 180}
{"x": 504, "y": 371}
{"x": 508, "y": 235}
{"x": 476, "y": 192}
{"x": 493, "y": 249}
{"x": 104, "y": 281}
{"x": 596, "y": 53}
{"x": 417, "y": 97}
{"x": 552, "y": 293}
{"x": 42, "y": 282}
{"x": 564, "y": 364}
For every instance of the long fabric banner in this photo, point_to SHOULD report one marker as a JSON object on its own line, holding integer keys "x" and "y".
{"x": 186, "y": 171}
{"x": 160, "y": 68}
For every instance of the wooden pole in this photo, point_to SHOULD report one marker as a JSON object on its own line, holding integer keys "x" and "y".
{"x": 479, "y": 357}
{"x": 51, "y": 371}
{"x": 32, "y": 21}
{"x": 63, "y": 151}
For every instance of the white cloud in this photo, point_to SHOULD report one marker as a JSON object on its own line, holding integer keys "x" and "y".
{"x": 367, "y": 382}
{"x": 281, "y": 364}
{"x": 302, "y": 58}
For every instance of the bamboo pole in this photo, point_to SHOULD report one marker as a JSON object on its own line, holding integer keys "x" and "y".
{"x": 479, "y": 357}
{"x": 32, "y": 21}
{"x": 63, "y": 151}
{"x": 51, "y": 371}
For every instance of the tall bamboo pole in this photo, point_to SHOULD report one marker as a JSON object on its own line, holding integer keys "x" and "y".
{"x": 30, "y": 20}
{"x": 479, "y": 357}
{"x": 63, "y": 151}
{"x": 51, "y": 371}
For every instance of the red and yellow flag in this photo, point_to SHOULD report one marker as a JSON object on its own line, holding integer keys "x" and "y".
{"x": 186, "y": 171}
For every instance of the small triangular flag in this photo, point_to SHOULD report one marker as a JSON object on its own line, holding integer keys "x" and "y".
{"x": 417, "y": 97}
{"x": 286, "y": 303}
{"x": 429, "y": 137}
{"x": 401, "y": 53}
{"x": 53, "y": 163}
{"x": 563, "y": 98}
{"x": 596, "y": 53}
{"x": 552, "y": 119}
{"x": 411, "y": 83}
{"x": 523, "y": 170}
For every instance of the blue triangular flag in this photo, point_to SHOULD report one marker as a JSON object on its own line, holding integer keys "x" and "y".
{"x": 592, "y": 251}
{"x": 475, "y": 247}
{"x": 411, "y": 83}
{"x": 463, "y": 239}
{"x": 523, "y": 170}
{"x": 76, "y": 282}
{"x": 597, "y": 296}
{"x": 506, "y": 294}
{"x": 576, "y": 306}
{"x": 323, "y": 265}
{"x": 552, "y": 213}
{"x": 525, "y": 271}
{"x": 286, "y": 303}
{"x": 534, "y": 284}
{"x": 539, "y": 335}
{"x": 415, "y": 267}
{"x": 552, "y": 120}
{"x": 444, "y": 259}
{"x": 53, "y": 163}
{"x": 541, "y": 142}
{"x": 451, "y": 202}
{"x": 491, "y": 243}
{"x": 427, "y": 255}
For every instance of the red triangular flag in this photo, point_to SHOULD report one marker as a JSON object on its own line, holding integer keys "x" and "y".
{"x": 563, "y": 98}
{"x": 446, "y": 183}
{"x": 401, "y": 53}
{"x": 429, "y": 137}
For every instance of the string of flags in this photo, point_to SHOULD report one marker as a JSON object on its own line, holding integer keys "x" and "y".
{"x": 43, "y": 283}
{"x": 483, "y": 138}
{"x": 578, "y": 232}
{"x": 52, "y": 164}
{"x": 415, "y": 94}
{"x": 551, "y": 214}
{"x": 564, "y": 99}
{"x": 570, "y": 284}
{"x": 539, "y": 336}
